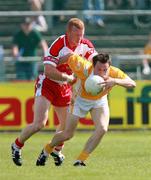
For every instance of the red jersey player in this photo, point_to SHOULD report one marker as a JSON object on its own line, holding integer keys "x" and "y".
{"x": 53, "y": 87}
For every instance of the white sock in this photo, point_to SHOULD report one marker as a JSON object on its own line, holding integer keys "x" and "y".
{"x": 45, "y": 153}
{"x": 16, "y": 147}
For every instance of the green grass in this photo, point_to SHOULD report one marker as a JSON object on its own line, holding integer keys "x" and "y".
{"x": 120, "y": 156}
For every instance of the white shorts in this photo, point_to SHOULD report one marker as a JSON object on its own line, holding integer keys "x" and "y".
{"x": 82, "y": 106}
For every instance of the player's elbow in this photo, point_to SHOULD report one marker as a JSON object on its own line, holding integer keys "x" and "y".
{"x": 49, "y": 70}
{"x": 103, "y": 130}
{"x": 47, "y": 74}
{"x": 129, "y": 83}
{"x": 132, "y": 84}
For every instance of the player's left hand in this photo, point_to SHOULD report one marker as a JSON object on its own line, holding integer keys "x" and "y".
{"x": 108, "y": 83}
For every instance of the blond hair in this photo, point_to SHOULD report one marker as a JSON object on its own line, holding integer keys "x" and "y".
{"x": 78, "y": 23}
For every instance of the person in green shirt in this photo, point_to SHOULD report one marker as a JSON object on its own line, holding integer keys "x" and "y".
{"x": 25, "y": 44}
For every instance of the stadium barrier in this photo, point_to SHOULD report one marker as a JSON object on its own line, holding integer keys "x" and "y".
{"x": 76, "y": 12}
{"x": 81, "y": 13}
{"x": 117, "y": 60}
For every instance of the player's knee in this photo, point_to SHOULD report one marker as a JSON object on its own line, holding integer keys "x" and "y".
{"x": 38, "y": 126}
{"x": 68, "y": 135}
{"x": 102, "y": 130}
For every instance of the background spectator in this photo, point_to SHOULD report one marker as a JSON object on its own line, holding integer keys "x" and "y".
{"x": 146, "y": 63}
{"x": 142, "y": 20}
{"x": 115, "y": 4}
{"x": 58, "y": 5}
{"x": 39, "y": 22}
{"x": 25, "y": 43}
{"x": 94, "y": 5}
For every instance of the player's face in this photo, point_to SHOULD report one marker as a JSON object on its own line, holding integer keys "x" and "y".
{"x": 101, "y": 69}
{"x": 74, "y": 36}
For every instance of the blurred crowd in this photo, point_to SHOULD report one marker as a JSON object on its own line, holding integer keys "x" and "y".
{"x": 36, "y": 26}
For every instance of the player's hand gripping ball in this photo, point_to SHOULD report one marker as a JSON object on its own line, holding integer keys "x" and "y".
{"x": 92, "y": 85}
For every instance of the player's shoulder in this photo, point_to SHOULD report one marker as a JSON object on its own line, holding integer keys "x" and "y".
{"x": 59, "y": 41}
{"x": 87, "y": 42}
{"x": 79, "y": 61}
{"x": 114, "y": 70}
{"x": 57, "y": 45}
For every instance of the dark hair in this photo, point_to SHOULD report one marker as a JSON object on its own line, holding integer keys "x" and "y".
{"x": 102, "y": 58}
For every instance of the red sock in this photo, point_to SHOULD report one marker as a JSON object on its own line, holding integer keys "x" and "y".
{"x": 18, "y": 144}
{"x": 59, "y": 147}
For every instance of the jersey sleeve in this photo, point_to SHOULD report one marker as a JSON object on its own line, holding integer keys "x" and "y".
{"x": 89, "y": 50}
{"x": 50, "y": 59}
{"x": 117, "y": 73}
{"x": 79, "y": 66}
{"x": 54, "y": 52}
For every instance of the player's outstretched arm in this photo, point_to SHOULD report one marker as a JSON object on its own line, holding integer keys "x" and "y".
{"x": 126, "y": 82}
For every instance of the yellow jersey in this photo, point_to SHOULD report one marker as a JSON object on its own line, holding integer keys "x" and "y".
{"x": 83, "y": 68}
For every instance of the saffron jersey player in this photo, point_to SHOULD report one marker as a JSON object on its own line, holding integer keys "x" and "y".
{"x": 85, "y": 102}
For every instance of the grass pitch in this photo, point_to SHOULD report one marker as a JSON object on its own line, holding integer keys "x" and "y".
{"x": 120, "y": 156}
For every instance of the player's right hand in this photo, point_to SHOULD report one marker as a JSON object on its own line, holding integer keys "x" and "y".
{"x": 70, "y": 79}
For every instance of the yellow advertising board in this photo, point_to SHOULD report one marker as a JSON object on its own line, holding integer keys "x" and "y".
{"x": 128, "y": 108}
